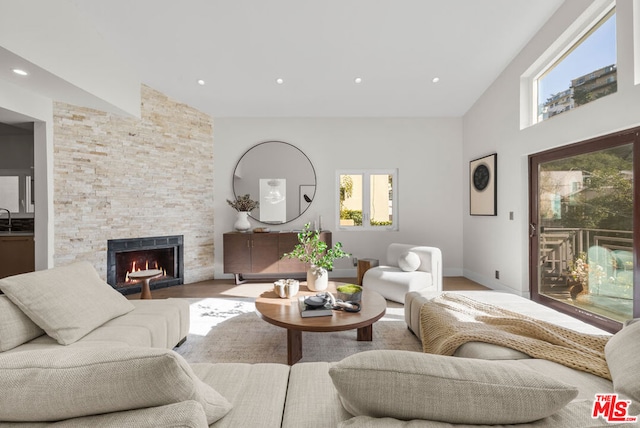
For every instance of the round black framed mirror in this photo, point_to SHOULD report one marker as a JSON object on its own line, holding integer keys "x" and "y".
{"x": 279, "y": 176}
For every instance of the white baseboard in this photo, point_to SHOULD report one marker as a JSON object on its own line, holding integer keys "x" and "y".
{"x": 452, "y": 272}
{"x": 493, "y": 284}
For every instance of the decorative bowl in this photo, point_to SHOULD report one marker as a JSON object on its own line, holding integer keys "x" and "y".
{"x": 349, "y": 292}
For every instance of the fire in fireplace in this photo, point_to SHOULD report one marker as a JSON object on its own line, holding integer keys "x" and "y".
{"x": 134, "y": 261}
{"x": 125, "y": 256}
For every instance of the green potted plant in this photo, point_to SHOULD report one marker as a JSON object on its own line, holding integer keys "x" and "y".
{"x": 243, "y": 205}
{"x": 312, "y": 250}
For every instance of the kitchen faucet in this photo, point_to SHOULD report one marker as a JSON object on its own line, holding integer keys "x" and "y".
{"x": 9, "y": 214}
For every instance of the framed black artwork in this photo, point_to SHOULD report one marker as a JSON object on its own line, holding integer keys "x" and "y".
{"x": 483, "y": 190}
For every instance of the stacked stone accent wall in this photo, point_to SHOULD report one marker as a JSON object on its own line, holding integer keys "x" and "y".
{"x": 121, "y": 177}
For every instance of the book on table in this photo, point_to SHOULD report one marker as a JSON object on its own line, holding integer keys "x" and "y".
{"x": 307, "y": 311}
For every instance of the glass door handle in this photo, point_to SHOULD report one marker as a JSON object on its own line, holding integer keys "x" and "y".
{"x": 532, "y": 230}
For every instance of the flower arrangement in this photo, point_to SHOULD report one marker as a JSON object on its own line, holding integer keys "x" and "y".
{"x": 580, "y": 270}
{"x": 243, "y": 203}
{"x": 314, "y": 251}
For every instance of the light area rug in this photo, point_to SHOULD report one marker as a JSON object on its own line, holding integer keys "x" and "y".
{"x": 225, "y": 330}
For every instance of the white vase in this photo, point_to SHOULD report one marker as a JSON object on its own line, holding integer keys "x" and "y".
{"x": 242, "y": 222}
{"x": 317, "y": 278}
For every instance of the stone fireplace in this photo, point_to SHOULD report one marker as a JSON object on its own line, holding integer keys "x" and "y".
{"x": 124, "y": 256}
{"x": 119, "y": 176}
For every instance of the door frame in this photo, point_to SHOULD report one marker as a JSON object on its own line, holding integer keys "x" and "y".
{"x": 595, "y": 144}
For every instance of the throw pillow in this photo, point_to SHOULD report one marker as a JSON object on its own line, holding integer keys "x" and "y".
{"x": 15, "y": 327}
{"x": 66, "y": 302}
{"x": 411, "y": 385}
{"x": 96, "y": 381}
{"x": 621, "y": 352}
{"x": 409, "y": 261}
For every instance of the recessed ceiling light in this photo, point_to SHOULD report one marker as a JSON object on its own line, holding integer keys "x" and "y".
{"x": 201, "y": 82}
{"x": 279, "y": 81}
{"x": 358, "y": 80}
{"x": 435, "y": 79}
{"x": 20, "y": 71}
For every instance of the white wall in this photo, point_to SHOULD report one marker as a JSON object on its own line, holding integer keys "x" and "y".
{"x": 17, "y": 151}
{"x": 19, "y": 105}
{"x": 493, "y": 125}
{"x": 67, "y": 59}
{"x": 427, "y": 153}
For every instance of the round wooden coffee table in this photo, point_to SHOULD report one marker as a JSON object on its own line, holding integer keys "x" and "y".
{"x": 285, "y": 313}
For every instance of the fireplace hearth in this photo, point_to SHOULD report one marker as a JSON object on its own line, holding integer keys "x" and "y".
{"x": 134, "y": 254}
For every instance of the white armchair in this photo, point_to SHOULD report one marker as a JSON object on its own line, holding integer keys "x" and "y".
{"x": 408, "y": 268}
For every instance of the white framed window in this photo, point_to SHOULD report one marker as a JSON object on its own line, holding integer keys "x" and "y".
{"x": 367, "y": 199}
{"x": 579, "y": 67}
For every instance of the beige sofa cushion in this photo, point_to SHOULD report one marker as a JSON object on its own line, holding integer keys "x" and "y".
{"x": 575, "y": 414}
{"x": 621, "y": 353}
{"x": 324, "y": 409}
{"x": 588, "y": 384}
{"x": 186, "y": 414}
{"x": 66, "y": 302}
{"x": 15, "y": 327}
{"x": 256, "y": 391}
{"x": 412, "y": 385}
{"x": 81, "y": 381}
{"x": 156, "y": 323}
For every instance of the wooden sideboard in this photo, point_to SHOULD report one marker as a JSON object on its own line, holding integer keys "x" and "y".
{"x": 261, "y": 253}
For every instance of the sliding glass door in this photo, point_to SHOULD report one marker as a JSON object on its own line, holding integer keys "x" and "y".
{"x": 583, "y": 233}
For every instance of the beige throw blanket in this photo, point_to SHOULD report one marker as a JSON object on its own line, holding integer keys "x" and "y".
{"x": 451, "y": 320}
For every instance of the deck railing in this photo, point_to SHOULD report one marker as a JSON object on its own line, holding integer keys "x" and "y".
{"x": 560, "y": 246}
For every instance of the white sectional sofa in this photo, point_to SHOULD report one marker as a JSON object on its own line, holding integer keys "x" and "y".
{"x": 72, "y": 306}
{"x": 88, "y": 371}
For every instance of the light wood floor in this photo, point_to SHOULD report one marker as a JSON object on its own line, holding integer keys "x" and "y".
{"x": 228, "y": 288}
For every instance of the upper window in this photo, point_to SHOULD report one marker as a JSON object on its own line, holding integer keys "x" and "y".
{"x": 585, "y": 71}
{"x": 367, "y": 200}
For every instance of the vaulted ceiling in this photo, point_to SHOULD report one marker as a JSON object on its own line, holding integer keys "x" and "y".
{"x": 240, "y": 48}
